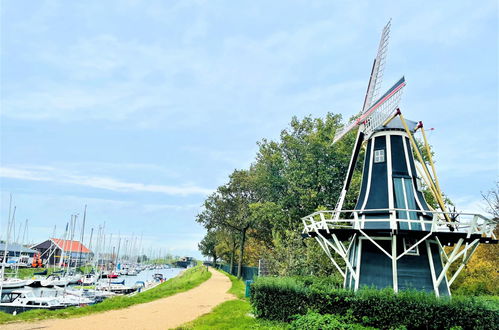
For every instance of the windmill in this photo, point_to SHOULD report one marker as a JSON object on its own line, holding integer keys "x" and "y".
{"x": 393, "y": 237}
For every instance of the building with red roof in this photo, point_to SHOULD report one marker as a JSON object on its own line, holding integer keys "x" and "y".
{"x": 53, "y": 249}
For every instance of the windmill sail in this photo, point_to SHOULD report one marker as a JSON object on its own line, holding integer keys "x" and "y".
{"x": 378, "y": 68}
{"x": 374, "y": 81}
{"x": 376, "y": 114}
{"x": 383, "y": 108}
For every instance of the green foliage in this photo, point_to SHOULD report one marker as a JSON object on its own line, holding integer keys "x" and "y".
{"x": 282, "y": 298}
{"x": 320, "y": 283}
{"x": 26, "y": 273}
{"x": 303, "y": 170}
{"x": 313, "y": 320}
{"x": 208, "y": 245}
{"x": 291, "y": 255}
{"x": 188, "y": 280}
{"x": 290, "y": 178}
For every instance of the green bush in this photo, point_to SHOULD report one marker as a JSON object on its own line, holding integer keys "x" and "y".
{"x": 326, "y": 282}
{"x": 313, "y": 320}
{"x": 282, "y": 298}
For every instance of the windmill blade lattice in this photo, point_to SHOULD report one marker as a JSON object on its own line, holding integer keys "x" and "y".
{"x": 375, "y": 80}
{"x": 376, "y": 115}
{"x": 378, "y": 68}
{"x": 386, "y": 106}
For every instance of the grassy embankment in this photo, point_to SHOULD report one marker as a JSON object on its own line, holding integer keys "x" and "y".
{"x": 188, "y": 280}
{"x": 25, "y": 273}
{"x": 232, "y": 314}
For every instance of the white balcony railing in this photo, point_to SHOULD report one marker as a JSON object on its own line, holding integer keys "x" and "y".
{"x": 469, "y": 223}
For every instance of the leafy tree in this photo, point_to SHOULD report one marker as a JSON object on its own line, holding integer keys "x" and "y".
{"x": 229, "y": 208}
{"x": 227, "y": 245}
{"x": 208, "y": 244}
{"x": 480, "y": 277}
{"x": 291, "y": 255}
{"x": 304, "y": 170}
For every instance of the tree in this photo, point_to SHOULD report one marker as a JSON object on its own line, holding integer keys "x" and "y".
{"x": 291, "y": 255}
{"x": 492, "y": 200}
{"x": 227, "y": 245}
{"x": 479, "y": 277}
{"x": 208, "y": 244}
{"x": 229, "y": 208}
{"x": 303, "y": 171}
{"x": 300, "y": 173}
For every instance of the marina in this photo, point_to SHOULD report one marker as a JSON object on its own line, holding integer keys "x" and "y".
{"x": 61, "y": 294}
{"x": 63, "y": 272}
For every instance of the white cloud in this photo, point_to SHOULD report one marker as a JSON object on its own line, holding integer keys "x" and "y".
{"x": 100, "y": 182}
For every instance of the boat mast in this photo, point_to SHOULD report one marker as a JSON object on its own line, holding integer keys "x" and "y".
{"x": 82, "y": 234}
{"x": 9, "y": 221}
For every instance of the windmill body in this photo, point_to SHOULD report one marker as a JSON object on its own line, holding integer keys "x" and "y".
{"x": 393, "y": 238}
{"x": 389, "y": 181}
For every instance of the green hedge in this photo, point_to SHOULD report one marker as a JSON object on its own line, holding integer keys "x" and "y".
{"x": 282, "y": 298}
{"x": 313, "y": 321}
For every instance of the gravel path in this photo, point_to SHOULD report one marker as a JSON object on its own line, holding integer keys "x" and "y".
{"x": 163, "y": 313}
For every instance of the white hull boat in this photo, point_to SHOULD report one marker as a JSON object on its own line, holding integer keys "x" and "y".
{"x": 54, "y": 280}
{"x": 18, "y": 301}
{"x": 88, "y": 279}
{"x": 14, "y": 283}
{"x": 74, "y": 279}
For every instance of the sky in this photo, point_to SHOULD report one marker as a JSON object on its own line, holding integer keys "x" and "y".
{"x": 140, "y": 109}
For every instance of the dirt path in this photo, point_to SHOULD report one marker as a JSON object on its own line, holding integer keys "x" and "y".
{"x": 164, "y": 313}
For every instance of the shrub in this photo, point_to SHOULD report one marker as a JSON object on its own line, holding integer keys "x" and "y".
{"x": 331, "y": 282}
{"x": 313, "y": 320}
{"x": 282, "y": 298}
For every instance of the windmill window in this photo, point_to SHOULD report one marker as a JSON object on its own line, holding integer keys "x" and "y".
{"x": 419, "y": 184}
{"x": 379, "y": 156}
{"x": 408, "y": 243}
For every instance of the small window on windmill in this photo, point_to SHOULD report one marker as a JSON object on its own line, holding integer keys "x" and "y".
{"x": 379, "y": 156}
{"x": 408, "y": 243}
{"x": 419, "y": 184}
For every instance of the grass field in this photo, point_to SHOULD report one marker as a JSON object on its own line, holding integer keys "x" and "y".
{"x": 188, "y": 280}
{"x": 232, "y": 314}
{"x": 25, "y": 273}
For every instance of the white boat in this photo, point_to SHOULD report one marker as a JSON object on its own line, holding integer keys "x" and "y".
{"x": 116, "y": 288}
{"x": 132, "y": 272}
{"x": 13, "y": 283}
{"x": 95, "y": 295}
{"x": 18, "y": 301}
{"x": 88, "y": 279}
{"x": 74, "y": 278}
{"x": 54, "y": 280}
{"x": 68, "y": 299}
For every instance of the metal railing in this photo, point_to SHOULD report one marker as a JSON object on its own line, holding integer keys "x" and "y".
{"x": 469, "y": 223}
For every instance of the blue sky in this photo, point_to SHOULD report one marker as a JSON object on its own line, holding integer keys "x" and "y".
{"x": 142, "y": 108}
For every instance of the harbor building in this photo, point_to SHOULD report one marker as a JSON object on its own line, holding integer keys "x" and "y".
{"x": 53, "y": 249}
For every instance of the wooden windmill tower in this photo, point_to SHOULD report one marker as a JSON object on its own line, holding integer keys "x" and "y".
{"x": 393, "y": 238}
